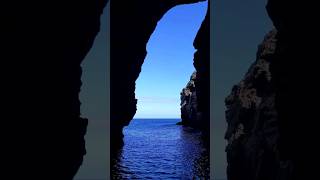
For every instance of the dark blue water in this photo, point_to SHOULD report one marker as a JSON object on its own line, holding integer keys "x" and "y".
{"x": 160, "y": 149}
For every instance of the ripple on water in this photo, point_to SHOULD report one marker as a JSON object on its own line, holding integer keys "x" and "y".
{"x": 159, "y": 149}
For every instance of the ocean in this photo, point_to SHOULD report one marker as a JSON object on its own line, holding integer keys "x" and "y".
{"x": 160, "y": 149}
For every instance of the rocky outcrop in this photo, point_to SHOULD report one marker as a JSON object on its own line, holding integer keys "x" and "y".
{"x": 188, "y": 97}
{"x": 294, "y": 90}
{"x": 292, "y": 80}
{"x": 42, "y": 47}
{"x": 132, "y": 24}
{"x": 294, "y": 70}
{"x": 253, "y": 131}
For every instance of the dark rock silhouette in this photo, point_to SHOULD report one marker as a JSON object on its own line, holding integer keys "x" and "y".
{"x": 132, "y": 24}
{"x": 201, "y": 63}
{"x": 293, "y": 69}
{"x": 43, "y": 44}
{"x": 253, "y": 131}
{"x": 270, "y": 121}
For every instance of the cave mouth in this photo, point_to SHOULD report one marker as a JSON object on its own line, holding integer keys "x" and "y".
{"x": 169, "y": 62}
{"x": 153, "y": 144}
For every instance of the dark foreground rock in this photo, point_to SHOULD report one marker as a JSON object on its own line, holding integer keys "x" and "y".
{"x": 294, "y": 69}
{"x": 42, "y": 46}
{"x": 253, "y": 131}
{"x": 271, "y": 128}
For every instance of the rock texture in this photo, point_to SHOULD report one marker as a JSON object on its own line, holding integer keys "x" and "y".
{"x": 42, "y": 46}
{"x": 132, "y": 24}
{"x": 271, "y": 129}
{"x": 188, "y": 97}
{"x": 253, "y": 131}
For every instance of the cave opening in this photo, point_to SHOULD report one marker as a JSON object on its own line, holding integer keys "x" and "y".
{"x": 169, "y": 62}
{"x": 154, "y": 146}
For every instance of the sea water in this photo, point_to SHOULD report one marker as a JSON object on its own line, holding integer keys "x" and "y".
{"x": 160, "y": 149}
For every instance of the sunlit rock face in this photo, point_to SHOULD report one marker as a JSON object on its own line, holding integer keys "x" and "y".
{"x": 43, "y": 44}
{"x": 132, "y": 24}
{"x": 188, "y": 97}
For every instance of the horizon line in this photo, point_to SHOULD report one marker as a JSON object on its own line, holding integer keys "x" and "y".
{"x": 158, "y": 118}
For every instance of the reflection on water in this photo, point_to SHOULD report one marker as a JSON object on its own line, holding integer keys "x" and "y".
{"x": 160, "y": 149}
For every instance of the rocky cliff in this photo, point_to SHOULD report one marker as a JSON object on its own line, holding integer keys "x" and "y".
{"x": 253, "y": 131}
{"x": 188, "y": 97}
{"x": 270, "y": 116}
{"x": 42, "y": 46}
{"x": 132, "y": 24}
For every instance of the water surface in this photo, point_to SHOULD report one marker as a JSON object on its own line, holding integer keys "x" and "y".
{"x": 160, "y": 149}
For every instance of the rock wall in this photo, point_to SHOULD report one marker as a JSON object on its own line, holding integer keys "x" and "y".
{"x": 294, "y": 77}
{"x": 253, "y": 131}
{"x": 201, "y": 63}
{"x": 271, "y": 129}
{"x": 132, "y": 24}
{"x": 42, "y": 46}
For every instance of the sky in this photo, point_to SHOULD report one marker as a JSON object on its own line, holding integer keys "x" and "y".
{"x": 169, "y": 63}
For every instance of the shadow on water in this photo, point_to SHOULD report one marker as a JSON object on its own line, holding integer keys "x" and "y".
{"x": 160, "y": 149}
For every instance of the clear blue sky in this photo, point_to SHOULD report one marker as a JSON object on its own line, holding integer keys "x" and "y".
{"x": 168, "y": 65}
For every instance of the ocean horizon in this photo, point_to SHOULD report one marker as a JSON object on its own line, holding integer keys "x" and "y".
{"x": 156, "y": 118}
